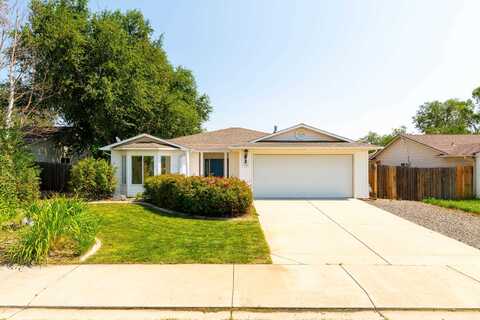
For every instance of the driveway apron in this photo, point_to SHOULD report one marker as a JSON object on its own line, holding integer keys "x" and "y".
{"x": 353, "y": 232}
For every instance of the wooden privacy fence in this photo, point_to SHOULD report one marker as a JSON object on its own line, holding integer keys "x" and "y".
{"x": 54, "y": 176}
{"x": 405, "y": 183}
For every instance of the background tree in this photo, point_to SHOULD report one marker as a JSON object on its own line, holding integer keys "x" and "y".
{"x": 476, "y": 96}
{"x": 20, "y": 92}
{"x": 108, "y": 77}
{"x": 450, "y": 117}
{"x": 382, "y": 140}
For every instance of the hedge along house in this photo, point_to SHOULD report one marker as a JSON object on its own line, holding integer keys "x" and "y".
{"x": 297, "y": 162}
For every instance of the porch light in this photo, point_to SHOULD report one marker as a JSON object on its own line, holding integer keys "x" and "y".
{"x": 245, "y": 156}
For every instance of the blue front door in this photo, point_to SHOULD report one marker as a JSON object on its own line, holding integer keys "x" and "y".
{"x": 214, "y": 167}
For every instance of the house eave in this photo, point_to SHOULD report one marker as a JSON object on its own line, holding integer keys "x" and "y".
{"x": 252, "y": 147}
{"x": 456, "y": 155}
{"x": 145, "y": 149}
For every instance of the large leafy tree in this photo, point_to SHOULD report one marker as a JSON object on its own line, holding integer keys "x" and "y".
{"x": 452, "y": 116}
{"x": 110, "y": 78}
{"x": 382, "y": 139}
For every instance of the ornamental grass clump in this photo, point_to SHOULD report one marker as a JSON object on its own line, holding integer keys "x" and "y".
{"x": 205, "y": 196}
{"x": 53, "y": 221}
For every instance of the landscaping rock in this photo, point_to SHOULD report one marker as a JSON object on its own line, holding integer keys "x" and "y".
{"x": 457, "y": 224}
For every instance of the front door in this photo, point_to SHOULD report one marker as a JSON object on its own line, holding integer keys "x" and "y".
{"x": 214, "y": 167}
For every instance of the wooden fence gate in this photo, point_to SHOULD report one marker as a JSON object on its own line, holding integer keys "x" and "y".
{"x": 405, "y": 183}
{"x": 54, "y": 176}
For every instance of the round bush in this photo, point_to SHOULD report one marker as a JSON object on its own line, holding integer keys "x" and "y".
{"x": 205, "y": 196}
{"x": 92, "y": 179}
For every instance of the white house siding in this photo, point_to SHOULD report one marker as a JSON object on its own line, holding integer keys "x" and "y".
{"x": 360, "y": 174}
{"x": 245, "y": 169}
{"x": 309, "y": 135}
{"x": 194, "y": 163}
{"x": 116, "y": 161}
{"x": 418, "y": 155}
{"x": 234, "y": 163}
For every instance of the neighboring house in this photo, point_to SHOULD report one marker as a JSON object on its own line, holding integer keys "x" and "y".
{"x": 429, "y": 151}
{"x": 300, "y": 161}
{"x": 45, "y": 146}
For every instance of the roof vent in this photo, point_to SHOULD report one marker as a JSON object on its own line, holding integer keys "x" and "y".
{"x": 275, "y": 128}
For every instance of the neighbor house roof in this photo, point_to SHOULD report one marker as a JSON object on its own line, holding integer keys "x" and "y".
{"x": 36, "y": 134}
{"x": 218, "y": 139}
{"x": 447, "y": 145}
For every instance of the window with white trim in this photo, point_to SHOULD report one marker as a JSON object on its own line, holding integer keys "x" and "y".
{"x": 165, "y": 164}
{"x": 142, "y": 167}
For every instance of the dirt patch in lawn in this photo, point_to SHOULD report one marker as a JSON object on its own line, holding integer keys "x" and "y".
{"x": 456, "y": 224}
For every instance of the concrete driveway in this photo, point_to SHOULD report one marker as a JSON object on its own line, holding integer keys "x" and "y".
{"x": 353, "y": 232}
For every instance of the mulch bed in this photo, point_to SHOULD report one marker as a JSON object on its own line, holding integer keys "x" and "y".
{"x": 457, "y": 224}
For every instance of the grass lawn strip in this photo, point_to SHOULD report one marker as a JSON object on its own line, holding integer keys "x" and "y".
{"x": 132, "y": 233}
{"x": 465, "y": 205}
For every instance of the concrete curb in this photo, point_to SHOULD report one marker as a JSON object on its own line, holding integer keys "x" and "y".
{"x": 97, "y": 245}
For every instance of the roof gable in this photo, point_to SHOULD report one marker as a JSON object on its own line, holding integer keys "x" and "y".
{"x": 142, "y": 141}
{"x": 301, "y": 133}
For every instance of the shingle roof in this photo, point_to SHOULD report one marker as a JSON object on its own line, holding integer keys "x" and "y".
{"x": 218, "y": 139}
{"x": 449, "y": 144}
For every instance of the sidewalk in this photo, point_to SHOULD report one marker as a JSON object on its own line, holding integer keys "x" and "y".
{"x": 319, "y": 288}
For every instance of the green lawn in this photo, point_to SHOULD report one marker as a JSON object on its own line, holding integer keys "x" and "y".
{"x": 131, "y": 233}
{"x": 465, "y": 205}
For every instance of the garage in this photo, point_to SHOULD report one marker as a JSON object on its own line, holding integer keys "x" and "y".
{"x": 302, "y": 176}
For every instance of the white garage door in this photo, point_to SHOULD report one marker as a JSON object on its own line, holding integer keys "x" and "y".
{"x": 302, "y": 176}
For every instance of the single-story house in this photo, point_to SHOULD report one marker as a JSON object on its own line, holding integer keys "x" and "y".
{"x": 430, "y": 150}
{"x": 297, "y": 162}
{"x": 46, "y": 146}
{"x": 433, "y": 151}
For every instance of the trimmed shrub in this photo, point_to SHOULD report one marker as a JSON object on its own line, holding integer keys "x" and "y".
{"x": 53, "y": 221}
{"x": 206, "y": 196}
{"x": 92, "y": 179}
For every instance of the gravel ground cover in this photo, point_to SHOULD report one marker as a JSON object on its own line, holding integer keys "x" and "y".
{"x": 457, "y": 224}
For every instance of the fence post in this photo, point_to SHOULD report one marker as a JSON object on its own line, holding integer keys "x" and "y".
{"x": 392, "y": 182}
{"x": 374, "y": 179}
{"x": 459, "y": 183}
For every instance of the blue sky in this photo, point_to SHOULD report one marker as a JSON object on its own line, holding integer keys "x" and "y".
{"x": 343, "y": 66}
